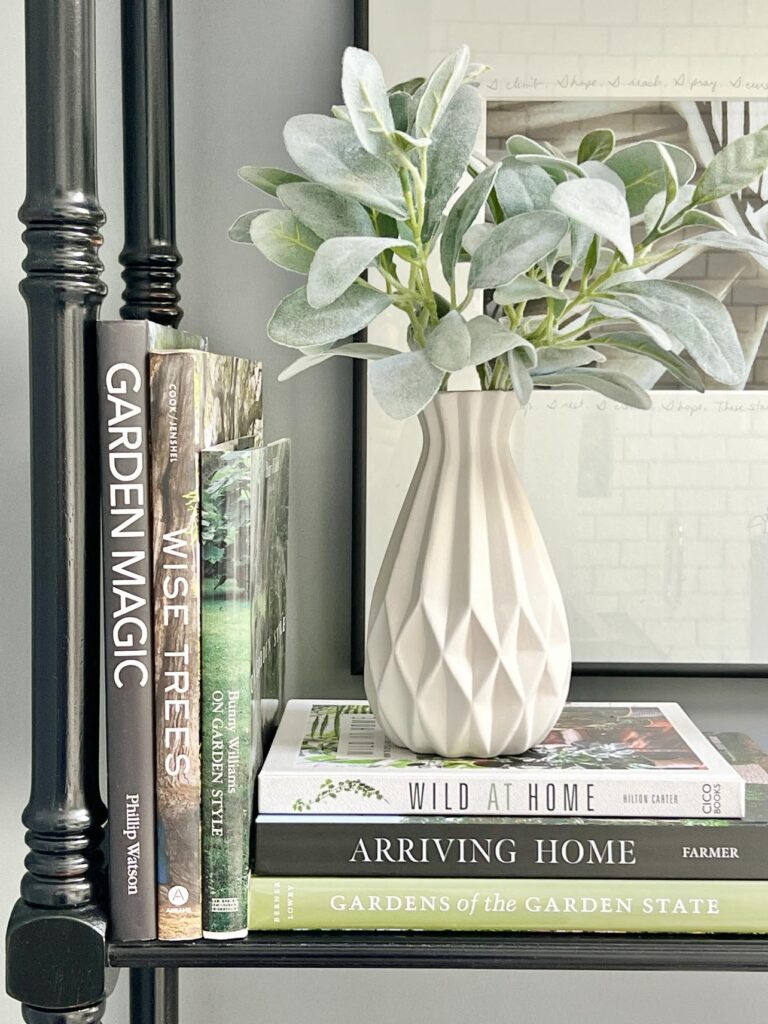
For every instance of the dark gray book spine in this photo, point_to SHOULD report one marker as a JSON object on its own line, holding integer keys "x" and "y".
{"x": 549, "y": 849}
{"x": 124, "y": 412}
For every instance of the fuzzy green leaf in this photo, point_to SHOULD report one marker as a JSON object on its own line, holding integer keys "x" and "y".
{"x": 328, "y": 151}
{"x": 517, "y": 144}
{"x": 338, "y": 262}
{"x": 448, "y": 343}
{"x": 475, "y": 236}
{"x": 401, "y": 105}
{"x": 600, "y": 207}
{"x": 641, "y": 345}
{"x": 644, "y": 170}
{"x": 284, "y": 240}
{"x": 514, "y": 246}
{"x": 596, "y": 169}
{"x": 747, "y": 244}
{"x": 301, "y": 364}
{"x": 489, "y": 339}
{"x": 524, "y": 288}
{"x": 596, "y": 145}
{"x": 702, "y": 218}
{"x": 736, "y": 166}
{"x": 551, "y": 163}
{"x": 616, "y": 386}
{"x": 449, "y": 154}
{"x": 553, "y": 358}
{"x": 461, "y": 216}
{"x": 439, "y": 90}
{"x": 691, "y": 317}
{"x": 366, "y": 99}
{"x": 404, "y": 384}
{"x": 410, "y": 86}
{"x": 298, "y": 325}
{"x": 266, "y": 179}
{"x": 240, "y": 231}
{"x": 324, "y": 211}
{"x": 354, "y": 350}
{"x": 520, "y": 188}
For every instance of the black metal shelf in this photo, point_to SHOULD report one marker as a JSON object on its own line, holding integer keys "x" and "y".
{"x": 488, "y": 951}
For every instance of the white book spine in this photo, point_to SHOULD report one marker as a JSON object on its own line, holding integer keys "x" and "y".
{"x": 704, "y": 795}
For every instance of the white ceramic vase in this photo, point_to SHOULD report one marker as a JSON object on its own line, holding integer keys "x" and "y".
{"x": 468, "y": 652}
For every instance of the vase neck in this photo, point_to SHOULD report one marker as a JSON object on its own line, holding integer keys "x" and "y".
{"x": 469, "y": 423}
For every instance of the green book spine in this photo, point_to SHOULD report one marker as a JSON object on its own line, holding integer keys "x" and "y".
{"x": 244, "y": 533}
{"x": 510, "y": 904}
{"x": 227, "y": 687}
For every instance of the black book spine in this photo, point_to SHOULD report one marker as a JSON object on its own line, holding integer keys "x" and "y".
{"x": 497, "y": 849}
{"x": 126, "y": 530}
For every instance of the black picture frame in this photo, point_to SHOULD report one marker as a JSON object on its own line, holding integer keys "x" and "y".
{"x": 359, "y": 469}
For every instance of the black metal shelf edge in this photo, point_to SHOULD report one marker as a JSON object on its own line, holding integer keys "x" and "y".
{"x": 457, "y": 950}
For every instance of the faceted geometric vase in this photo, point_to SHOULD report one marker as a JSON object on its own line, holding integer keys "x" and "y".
{"x": 468, "y": 652}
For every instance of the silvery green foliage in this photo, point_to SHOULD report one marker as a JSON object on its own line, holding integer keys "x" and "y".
{"x": 574, "y": 249}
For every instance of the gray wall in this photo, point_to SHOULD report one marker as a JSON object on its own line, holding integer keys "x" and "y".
{"x": 243, "y": 67}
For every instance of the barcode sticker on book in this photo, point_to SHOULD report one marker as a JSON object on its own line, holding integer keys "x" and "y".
{"x": 360, "y": 736}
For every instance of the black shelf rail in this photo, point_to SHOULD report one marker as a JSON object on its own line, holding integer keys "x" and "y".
{"x": 523, "y": 951}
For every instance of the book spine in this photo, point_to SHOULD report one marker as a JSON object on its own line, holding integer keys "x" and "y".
{"x": 126, "y": 531}
{"x": 450, "y": 904}
{"x": 227, "y": 690}
{"x": 494, "y": 793}
{"x": 517, "y": 850}
{"x": 176, "y": 385}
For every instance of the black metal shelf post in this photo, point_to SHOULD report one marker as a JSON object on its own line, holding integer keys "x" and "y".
{"x": 56, "y": 935}
{"x": 150, "y": 255}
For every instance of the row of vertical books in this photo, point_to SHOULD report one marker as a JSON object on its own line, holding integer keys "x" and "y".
{"x": 195, "y": 519}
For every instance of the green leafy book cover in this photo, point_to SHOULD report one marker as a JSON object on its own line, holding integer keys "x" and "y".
{"x": 244, "y": 532}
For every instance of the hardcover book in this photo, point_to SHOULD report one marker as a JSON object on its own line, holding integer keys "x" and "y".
{"x": 122, "y": 357}
{"x": 599, "y": 760}
{"x": 485, "y": 847}
{"x": 507, "y": 904}
{"x": 244, "y": 529}
{"x": 196, "y": 400}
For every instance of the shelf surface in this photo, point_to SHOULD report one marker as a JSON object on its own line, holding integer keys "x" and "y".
{"x": 487, "y": 951}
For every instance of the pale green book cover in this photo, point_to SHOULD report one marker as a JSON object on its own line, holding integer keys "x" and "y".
{"x": 244, "y": 533}
{"x": 453, "y": 904}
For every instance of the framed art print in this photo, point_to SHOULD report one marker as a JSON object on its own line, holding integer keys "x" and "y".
{"x": 656, "y": 521}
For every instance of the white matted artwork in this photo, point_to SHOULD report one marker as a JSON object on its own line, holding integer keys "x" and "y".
{"x": 657, "y": 521}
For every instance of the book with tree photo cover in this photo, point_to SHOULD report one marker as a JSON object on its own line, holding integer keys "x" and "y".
{"x": 244, "y": 533}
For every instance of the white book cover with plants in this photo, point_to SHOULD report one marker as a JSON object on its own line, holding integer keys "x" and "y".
{"x": 600, "y": 759}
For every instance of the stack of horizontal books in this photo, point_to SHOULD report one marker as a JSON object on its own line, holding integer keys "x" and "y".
{"x": 625, "y": 818}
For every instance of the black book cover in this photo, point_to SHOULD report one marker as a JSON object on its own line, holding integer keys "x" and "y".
{"x": 486, "y": 847}
{"x": 123, "y": 348}
{"x": 122, "y": 362}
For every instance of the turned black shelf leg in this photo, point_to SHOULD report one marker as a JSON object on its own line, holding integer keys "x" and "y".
{"x": 56, "y": 935}
{"x": 154, "y": 995}
{"x": 150, "y": 256}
